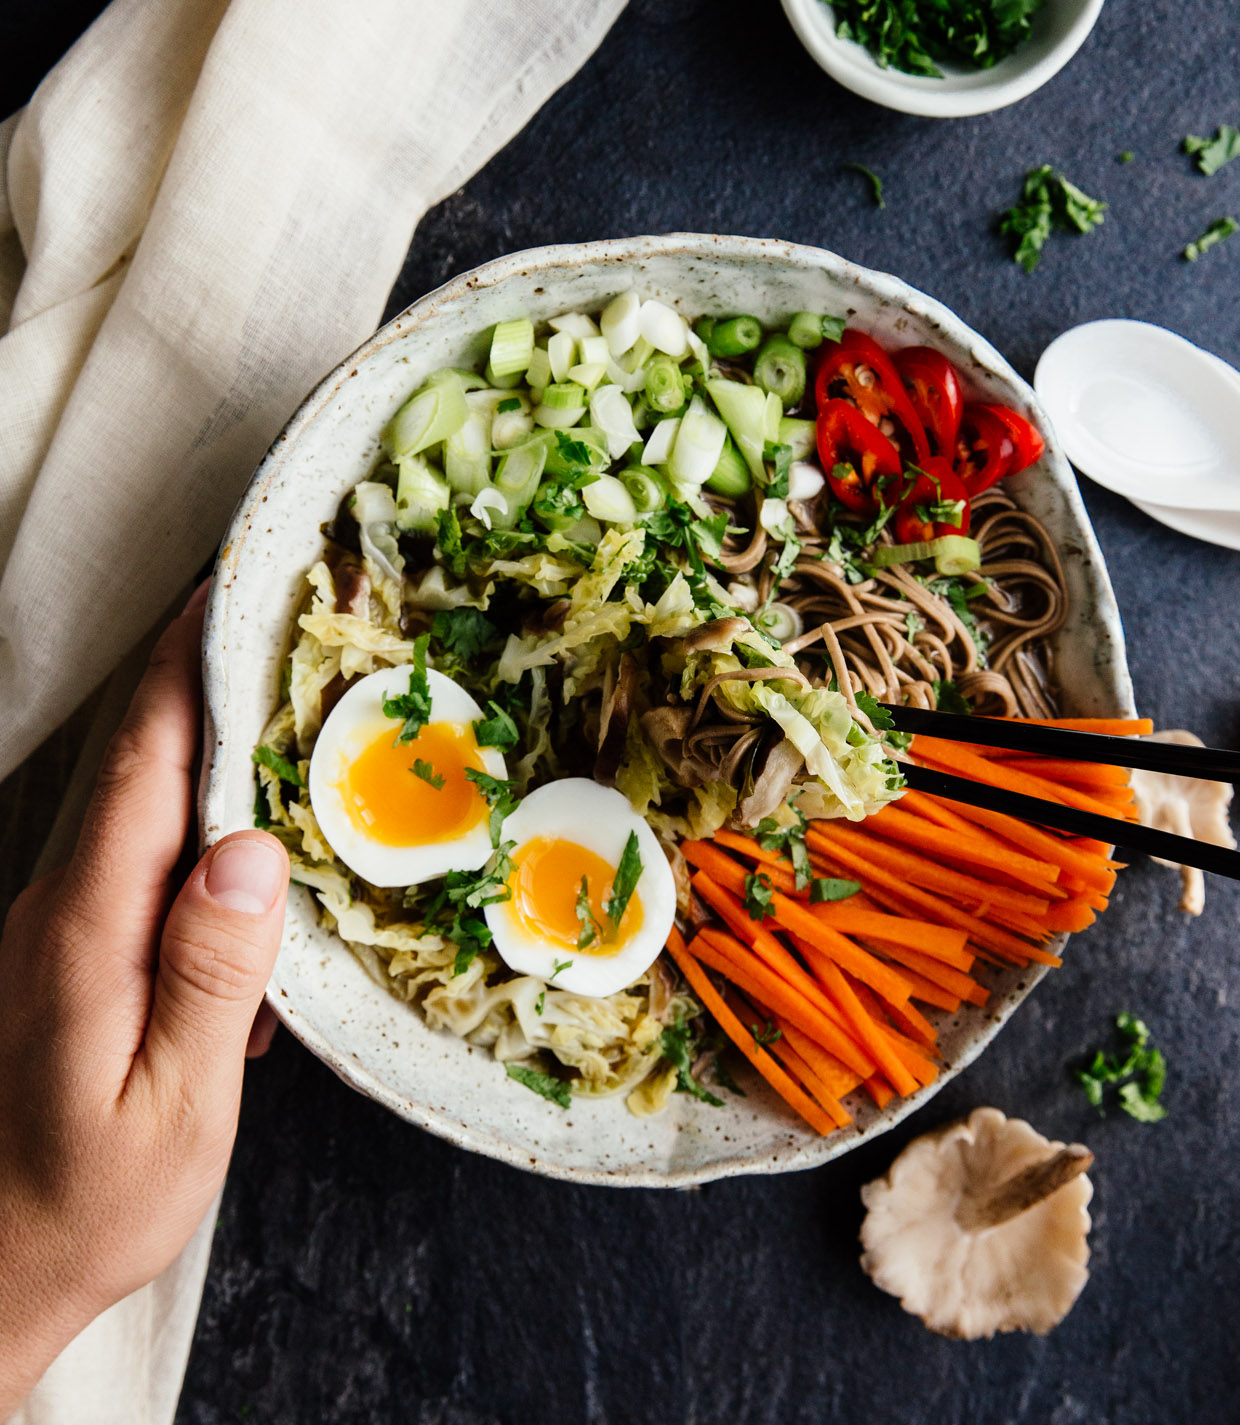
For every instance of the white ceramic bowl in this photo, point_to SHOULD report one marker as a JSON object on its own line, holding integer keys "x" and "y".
{"x": 378, "y": 1044}
{"x": 1058, "y": 31}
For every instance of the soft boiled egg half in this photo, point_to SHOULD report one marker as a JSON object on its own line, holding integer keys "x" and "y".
{"x": 398, "y": 813}
{"x": 569, "y": 837}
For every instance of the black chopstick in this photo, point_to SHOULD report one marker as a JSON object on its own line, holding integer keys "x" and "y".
{"x": 1216, "y": 764}
{"x": 1125, "y": 835}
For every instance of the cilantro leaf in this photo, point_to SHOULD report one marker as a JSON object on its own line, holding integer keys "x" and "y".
{"x": 464, "y": 632}
{"x": 509, "y": 403}
{"x": 501, "y": 797}
{"x": 1217, "y": 232}
{"x": 791, "y": 841}
{"x": 448, "y": 538}
{"x": 1048, "y": 201}
{"x": 781, "y": 457}
{"x": 759, "y": 894}
{"x": 1211, "y": 154}
{"x": 590, "y": 929}
{"x": 415, "y": 705}
{"x": 427, "y": 773}
{"x": 471, "y": 935}
{"x": 558, "y": 967}
{"x": 766, "y": 1034}
{"x": 1138, "y": 1076}
{"x": 555, "y": 1090}
{"x": 498, "y": 730}
{"x": 268, "y": 757}
{"x": 910, "y": 35}
{"x": 624, "y": 883}
{"x": 872, "y": 178}
{"x": 676, "y": 1041}
{"x": 874, "y": 710}
{"x": 831, "y": 888}
{"x": 958, "y": 596}
{"x": 949, "y": 698}
{"x": 833, "y": 328}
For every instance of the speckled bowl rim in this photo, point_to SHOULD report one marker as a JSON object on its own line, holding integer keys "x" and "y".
{"x": 215, "y": 675}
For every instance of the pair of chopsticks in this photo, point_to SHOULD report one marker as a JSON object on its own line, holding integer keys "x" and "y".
{"x": 1213, "y": 764}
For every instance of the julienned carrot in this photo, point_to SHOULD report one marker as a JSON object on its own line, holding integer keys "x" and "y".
{"x": 1071, "y": 915}
{"x": 1081, "y": 774}
{"x": 1112, "y": 726}
{"x": 756, "y": 979}
{"x": 801, "y": 1068}
{"x": 963, "y": 986}
{"x": 748, "y": 846}
{"x": 839, "y": 1078}
{"x": 899, "y": 894}
{"x": 781, "y": 962}
{"x": 907, "y": 1024}
{"x": 871, "y": 1035}
{"x": 972, "y": 890}
{"x": 964, "y": 762}
{"x": 796, "y": 1098}
{"x": 904, "y": 826}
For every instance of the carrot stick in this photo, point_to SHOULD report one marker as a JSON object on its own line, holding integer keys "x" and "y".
{"x": 919, "y": 1036}
{"x": 880, "y": 1047}
{"x": 1081, "y": 774}
{"x": 963, "y": 986}
{"x": 1112, "y": 726}
{"x": 789, "y": 1055}
{"x": 796, "y": 1098}
{"x": 920, "y": 935}
{"x": 837, "y": 1077}
{"x": 1070, "y": 915}
{"x": 912, "y": 865}
{"x": 731, "y": 959}
{"x": 956, "y": 845}
{"x": 964, "y": 762}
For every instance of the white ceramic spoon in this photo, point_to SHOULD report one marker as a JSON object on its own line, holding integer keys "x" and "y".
{"x": 1145, "y": 413}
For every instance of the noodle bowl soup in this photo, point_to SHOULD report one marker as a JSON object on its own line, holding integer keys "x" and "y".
{"x": 706, "y": 695}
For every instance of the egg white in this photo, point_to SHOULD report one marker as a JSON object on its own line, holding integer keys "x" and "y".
{"x": 351, "y": 727}
{"x": 600, "y": 819}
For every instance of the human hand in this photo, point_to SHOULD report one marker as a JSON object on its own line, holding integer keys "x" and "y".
{"x": 126, "y": 1007}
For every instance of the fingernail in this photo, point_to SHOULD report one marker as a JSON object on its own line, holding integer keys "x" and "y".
{"x": 197, "y": 598}
{"x": 247, "y": 875}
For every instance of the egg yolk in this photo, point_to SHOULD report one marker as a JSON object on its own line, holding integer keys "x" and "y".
{"x": 389, "y": 802}
{"x": 546, "y": 885}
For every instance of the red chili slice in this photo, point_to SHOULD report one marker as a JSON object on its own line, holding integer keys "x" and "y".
{"x": 849, "y": 443}
{"x": 1029, "y": 444}
{"x": 934, "y": 389}
{"x": 985, "y": 449}
{"x": 938, "y": 484}
{"x": 858, "y": 368}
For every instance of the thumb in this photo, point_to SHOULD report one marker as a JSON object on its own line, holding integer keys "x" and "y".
{"x": 219, "y": 944}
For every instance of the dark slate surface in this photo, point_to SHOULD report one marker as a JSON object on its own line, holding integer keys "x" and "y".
{"x": 366, "y": 1272}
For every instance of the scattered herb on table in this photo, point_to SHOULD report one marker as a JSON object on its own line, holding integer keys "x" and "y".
{"x": 1047, "y": 202}
{"x": 1211, "y": 154}
{"x": 872, "y": 178}
{"x": 556, "y": 1090}
{"x": 1138, "y": 1075}
{"x": 1127, "y": 156}
{"x": 915, "y": 36}
{"x": 1217, "y": 232}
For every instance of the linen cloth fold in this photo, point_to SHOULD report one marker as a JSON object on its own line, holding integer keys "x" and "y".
{"x": 202, "y": 210}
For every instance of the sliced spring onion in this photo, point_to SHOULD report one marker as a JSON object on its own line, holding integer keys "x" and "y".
{"x": 627, "y": 381}
{"x": 594, "y": 350}
{"x": 952, "y": 554}
{"x": 576, "y": 324}
{"x": 469, "y": 380}
{"x": 805, "y": 329}
{"x": 561, "y": 400}
{"x": 486, "y": 502}
{"x": 512, "y": 346}
{"x": 539, "y": 374}
{"x": 511, "y": 425}
{"x": 429, "y": 416}
{"x": 744, "y": 410}
{"x": 648, "y": 492}
{"x": 703, "y": 328}
{"x": 620, "y": 322}
{"x": 735, "y": 336}
{"x": 804, "y": 480}
{"x": 731, "y": 475}
{"x": 662, "y": 438}
{"x": 781, "y": 622}
{"x": 613, "y": 415}
{"x": 664, "y": 329}
{"x": 588, "y": 373}
{"x": 517, "y": 479}
{"x": 780, "y": 369}
{"x": 802, "y": 436}
{"x": 467, "y": 453}
{"x": 421, "y": 492}
{"x": 699, "y": 443}
{"x": 553, "y": 418}
{"x": 665, "y": 387}
{"x": 607, "y": 498}
{"x": 775, "y": 518}
{"x": 561, "y": 353}
{"x": 561, "y": 463}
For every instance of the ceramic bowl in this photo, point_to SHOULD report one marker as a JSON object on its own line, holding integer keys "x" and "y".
{"x": 319, "y": 990}
{"x": 1058, "y": 31}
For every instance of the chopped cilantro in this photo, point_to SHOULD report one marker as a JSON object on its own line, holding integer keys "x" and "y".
{"x": 590, "y": 929}
{"x": 765, "y": 1034}
{"x": 268, "y": 757}
{"x": 541, "y": 1002}
{"x": 464, "y": 632}
{"x": 415, "y": 705}
{"x": 833, "y": 328}
{"x": 831, "y": 888}
{"x": 501, "y": 797}
{"x": 427, "y": 773}
{"x": 948, "y": 698}
{"x": 1218, "y": 230}
{"x": 1047, "y": 202}
{"x": 471, "y": 935}
{"x": 509, "y": 403}
{"x": 262, "y": 808}
{"x": 872, "y": 178}
{"x": 676, "y": 1042}
{"x": 1127, "y": 156}
{"x": 958, "y": 596}
{"x": 624, "y": 883}
{"x": 759, "y": 894}
{"x": 498, "y": 730}
{"x": 791, "y": 841}
{"x": 874, "y": 710}
{"x": 781, "y": 457}
{"x": 913, "y": 625}
{"x": 911, "y": 35}
{"x": 448, "y": 539}
{"x": 556, "y": 1090}
{"x": 1138, "y": 1076}
{"x": 1211, "y": 154}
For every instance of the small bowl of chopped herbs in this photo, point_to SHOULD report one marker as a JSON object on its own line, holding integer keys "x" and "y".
{"x": 942, "y": 58}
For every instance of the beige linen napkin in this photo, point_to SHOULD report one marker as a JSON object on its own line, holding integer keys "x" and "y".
{"x": 202, "y": 210}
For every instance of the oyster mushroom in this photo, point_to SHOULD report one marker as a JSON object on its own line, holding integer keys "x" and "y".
{"x": 1189, "y": 806}
{"x": 771, "y": 784}
{"x": 981, "y": 1227}
{"x": 613, "y": 723}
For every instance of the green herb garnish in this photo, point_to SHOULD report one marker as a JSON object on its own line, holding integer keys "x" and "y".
{"x": 501, "y": 797}
{"x": 676, "y": 1041}
{"x": 628, "y": 873}
{"x": 590, "y": 929}
{"x": 879, "y": 717}
{"x": 949, "y": 698}
{"x": 498, "y": 730}
{"x": 1047, "y": 202}
{"x": 558, "y": 967}
{"x": 765, "y": 1034}
{"x": 911, "y": 35}
{"x": 448, "y": 538}
{"x": 1127, "y": 156}
{"x": 463, "y": 632}
{"x": 1138, "y": 1075}
{"x": 831, "y": 888}
{"x": 1211, "y": 154}
{"x": 556, "y": 1090}
{"x": 872, "y": 178}
{"x": 414, "y": 707}
{"x": 790, "y": 840}
{"x": 268, "y": 757}
{"x": 1218, "y": 230}
{"x": 427, "y": 773}
{"x": 509, "y": 403}
{"x": 759, "y": 894}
